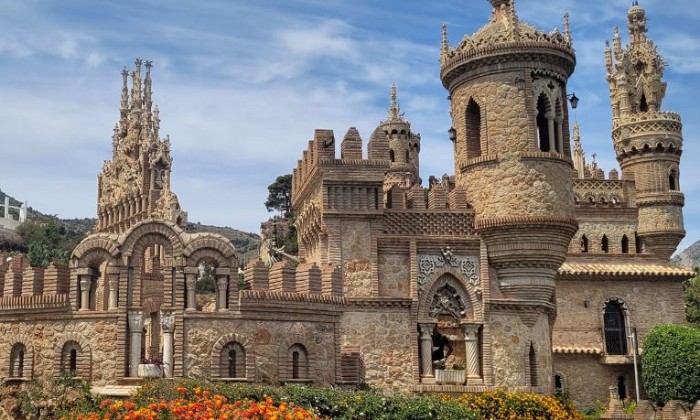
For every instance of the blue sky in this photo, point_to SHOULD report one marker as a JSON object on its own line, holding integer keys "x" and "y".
{"x": 241, "y": 86}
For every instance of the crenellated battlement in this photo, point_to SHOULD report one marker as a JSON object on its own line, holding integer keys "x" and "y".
{"x": 26, "y": 287}
{"x": 350, "y": 181}
{"x": 306, "y": 278}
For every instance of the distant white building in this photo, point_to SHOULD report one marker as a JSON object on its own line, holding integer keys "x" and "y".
{"x": 10, "y": 221}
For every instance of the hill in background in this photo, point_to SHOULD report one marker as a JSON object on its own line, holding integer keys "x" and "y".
{"x": 74, "y": 230}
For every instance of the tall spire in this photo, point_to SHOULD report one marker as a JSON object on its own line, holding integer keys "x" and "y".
{"x": 124, "y": 105}
{"x": 444, "y": 45}
{"x": 617, "y": 44}
{"x": 567, "y": 28}
{"x": 637, "y": 23}
{"x": 136, "y": 99}
{"x": 394, "y": 111}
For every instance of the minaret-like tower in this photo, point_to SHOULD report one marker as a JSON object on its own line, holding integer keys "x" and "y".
{"x": 648, "y": 142}
{"x": 507, "y": 87}
{"x": 393, "y": 140}
{"x": 135, "y": 184}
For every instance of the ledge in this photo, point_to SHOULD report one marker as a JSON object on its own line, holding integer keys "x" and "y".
{"x": 610, "y": 359}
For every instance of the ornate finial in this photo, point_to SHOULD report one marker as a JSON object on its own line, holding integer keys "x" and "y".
{"x": 637, "y": 23}
{"x": 503, "y": 9}
{"x": 125, "y": 91}
{"x": 394, "y": 112}
{"x": 617, "y": 44}
{"x": 444, "y": 46}
{"x": 608, "y": 58}
{"x": 136, "y": 88}
{"x": 594, "y": 163}
{"x": 156, "y": 122}
{"x": 567, "y": 28}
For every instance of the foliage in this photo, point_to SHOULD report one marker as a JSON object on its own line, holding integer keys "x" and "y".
{"x": 206, "y": 282}
{"x": 196, "y": 404}
{"x": 280, "y": 195}
{"x": 500, "y": 404}
{"x": 48, "y": 241}
{"x": 692, "y": 299}
{"x": 593, "y": 413}
{"x": 671, "y": 363}
{"x": 47, "y": 397}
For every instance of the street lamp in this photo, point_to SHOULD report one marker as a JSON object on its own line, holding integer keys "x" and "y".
{"x": 573, "y": 99}
{"x": 452, "y": 133}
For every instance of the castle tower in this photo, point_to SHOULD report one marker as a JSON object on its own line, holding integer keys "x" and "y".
{"x": 648, "y": 142}
{"x": 507, "y": 87}
{"x": 135, "y": 184}
{"x": 393, "y": 140}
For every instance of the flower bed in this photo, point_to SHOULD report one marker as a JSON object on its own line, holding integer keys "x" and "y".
{"x": 195, "y": 405}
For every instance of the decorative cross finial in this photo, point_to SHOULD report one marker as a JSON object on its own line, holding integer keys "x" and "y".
{"x": 444, "y": 46}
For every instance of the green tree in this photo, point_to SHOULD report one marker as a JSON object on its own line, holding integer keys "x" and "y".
{"x": 47, "y": 242}
{"x": 205, "y": 283}
{"x": 280, "y": 196}
{"x": 692, "y": 299}
{"x": 671, "y": 363}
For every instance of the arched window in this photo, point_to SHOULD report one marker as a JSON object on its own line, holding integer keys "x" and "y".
{"x": 233, "y": 361}
{"x": 473, "y": 119}
{"x": 643, "y": 106}
{"x": 673, "y": 180}
{"x": 392, "y": 155}
{"x": 625, "y": 244}
{"x": 70, "y": 354}
{"x": 298, "y": 362}
{"x": 543, "y": 132}
{"x": 615, "y": 330}
{"x": 584, "y": 244}
{"x": 532, "y": 358}
{"x": 558, "y": 384}
{"x": 17, "y": 355}
{"x": 638, "y": 245}
{"x": 408, "y": 157}
{"x": 604, "y": 244}
{"x": 621, "y": 387}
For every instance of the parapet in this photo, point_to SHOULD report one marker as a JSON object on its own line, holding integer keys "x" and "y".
{"x": 31, "y": 287}
{"x": 319, "y": 163}
{"x": 306, "y": 278}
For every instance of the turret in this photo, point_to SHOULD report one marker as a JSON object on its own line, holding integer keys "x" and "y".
{"x": 647, "y": 141}
{"x": 394, "y": 140}
{"x": 507, "y": 87}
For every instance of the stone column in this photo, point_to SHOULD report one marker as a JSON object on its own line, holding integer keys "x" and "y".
{"x": 471, "y": 343}
{"x": 136, "y": 329}
{"x": 560, "y": 133}
{"x": 113, "y": 283}
{"x": 550, "y": 130}
{"x": 191, "y": 274}
{"x": 167, "y": 322}
{"x": 426, "y": 354}
{"x": 85, "y": 281}
{"x": 221, "y": 288}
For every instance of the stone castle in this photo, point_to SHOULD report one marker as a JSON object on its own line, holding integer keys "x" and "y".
{"x": 543, "y": 272}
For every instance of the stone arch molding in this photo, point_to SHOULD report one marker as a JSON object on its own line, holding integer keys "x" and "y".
{"x": 84, "y": 358}
{"x": 447, "y": 296}
{"x": 211, "y": 246}
{"x": 28, "y": 355}
{"x": 284, "y": 364}
{"x": 133, "y": 239}
{"x": 215, "y": 355}
{"x": 465, "y": 269}
{"x": 95, "y": 247}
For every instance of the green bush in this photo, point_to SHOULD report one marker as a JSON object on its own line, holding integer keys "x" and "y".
{"x": 671, "y": 363}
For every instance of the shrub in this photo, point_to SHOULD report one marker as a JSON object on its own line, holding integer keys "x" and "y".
{"x": 671, "y": 363}
{"x": 522, "y": 406}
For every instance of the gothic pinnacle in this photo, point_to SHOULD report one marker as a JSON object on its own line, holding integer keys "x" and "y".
{"x": 394, "y": 112}
{"x": 444, "y": 46}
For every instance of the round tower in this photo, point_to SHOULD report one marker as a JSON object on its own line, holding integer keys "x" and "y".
{"x": 507, "y": 87}
{"x": 401, "y": 147}
{"x": 648, "y": 142}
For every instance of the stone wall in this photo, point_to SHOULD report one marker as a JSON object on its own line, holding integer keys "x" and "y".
{"x": 394, "y": 275}
{"x": 357, "y": 255}
{"x": 388, "y": 343}
{"x": 511, "y": 339}
{"x": 265, "y": 344}
{"x": 577, "y": 370}
{"x": 44, "y": 339}
{"x": 580, "y": 306}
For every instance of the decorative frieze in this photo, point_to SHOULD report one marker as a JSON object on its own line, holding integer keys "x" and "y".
{"x": 467, "y": 266}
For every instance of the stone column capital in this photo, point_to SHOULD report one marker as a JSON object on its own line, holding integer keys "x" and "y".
{"x": 113, "y": 270}
{"x": 167, "y": 321}
{"x": 471, "y": 332}
{"x": 85, "y": 282}
{"x": 135, "y": 321}
{"x": 426, "y": 328}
